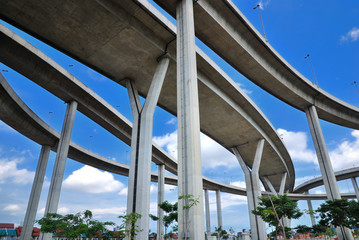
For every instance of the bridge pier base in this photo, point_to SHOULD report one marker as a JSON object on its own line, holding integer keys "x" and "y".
{"x": 34, "y": 199}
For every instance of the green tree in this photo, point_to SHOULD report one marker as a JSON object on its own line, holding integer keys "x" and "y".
{"x": 303, "y": 229}
{"x": 73, "y": 225}
{"x": 128, "y": 226}
{"x": 339, "y": 213}
{"x": 170, "y": 217}
{"x": 319, "y": 229}
{"x": 274, "y": 208}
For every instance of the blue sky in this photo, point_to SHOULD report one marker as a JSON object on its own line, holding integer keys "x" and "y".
{"x": 328, "y": 31}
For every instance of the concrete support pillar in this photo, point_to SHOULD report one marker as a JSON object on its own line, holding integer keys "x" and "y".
{"x": 190, "y": 221}
{"x": 138, "y": 198}
{"x": 219, "y": 209}
{"x": 60, "y": 162}
{"x": 356, "y": 189}
{"x": 208, "y": 215}
{"x": 282, "y": 184}
{"x": 310, "y": 208}
{"x": 253, "y": 191}
{"x": 160, "y": 199}
{"x": 325, "y": 165}
{"x": 33, "y": 204}
{"x": 270, "y": 185}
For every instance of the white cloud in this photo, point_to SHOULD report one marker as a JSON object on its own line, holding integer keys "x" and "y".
{"x": 227, "y": 200}
{"x": 123, "y": 192}
{"x": 263, "y": 4}
{"x": 172, "y": 121}
{"x": 352, "y": 35}
{"x": 346, "y": 154}
{"x": 91, "y": 180}
{"x": 240, "y": 184}
{"x": 246, "y": 91}
{"x": 9, "y": 171}
{"x": 319, "y": 192}
{"x": 213, "y": 154}
{"x": 12, "y": 207}
{"x": 115, "y": 211}
{"x": 296, "y": 143}
{"x": 63, "y": 210}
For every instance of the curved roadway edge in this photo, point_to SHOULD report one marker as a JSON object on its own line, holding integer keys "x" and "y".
{"x": 48, "y": 74}
{"x": 318, "y": 181}
{"x": 222, "y": 27}
{"x": 20, "y": 117}
{"x": 139, "y": 17}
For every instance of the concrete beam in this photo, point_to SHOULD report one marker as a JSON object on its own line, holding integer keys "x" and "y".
{"x": 34, "y": 199}
{"x": 219, "y": 209}
{"x": 160, "y": 199}
{"x": 356, "y": 189}
{"x": 310, "y": 208}
{"x": 325, "y": 165}
{"x": 60, "y": 162}
{"x": 208, "y": 215}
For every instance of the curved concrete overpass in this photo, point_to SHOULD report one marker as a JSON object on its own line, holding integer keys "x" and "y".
{"x": 122, "y": 40}
{"x": 219, "y": 22}
{"x": 20, "y": 117}
{"x": 318, "y": 181}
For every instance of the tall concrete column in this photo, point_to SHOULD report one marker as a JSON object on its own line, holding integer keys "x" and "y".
{"x": 160, "y": 199}
{"x": 138, "y": 199}
{"x": 219, "y": 208}
{"x": 190, "y": 221}
{"x": 60, "y": 162}
{"x": 310, "y": 208}
{"x": 325, "y": 165}
{"x": 33, "y": 204}
{"x": 253, "y": 190}
{"x": 282, "y": 184}
{"x": 356, "y": 189}
{"x": 208, "y": 215}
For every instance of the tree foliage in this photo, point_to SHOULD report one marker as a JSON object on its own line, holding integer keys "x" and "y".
{"x": 73, "y": 225}
{"x": 128, "y": 226}
{"x": 274, "y": 208}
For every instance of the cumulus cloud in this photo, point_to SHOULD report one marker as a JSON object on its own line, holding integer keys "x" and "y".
{"x": 352, "y": 35}
{"x": 9, "y": 171}
{"x": 296, "y": 143}
{"x": 246, "y": 91}
{"x": 263, "y": 4}
{"x": 240, "y": 184}
{"x": 12, "y": 207}
{"x": 346, "y": 154}
{"x": 91, "y": 180}
{"x": 213, "y": 154}
{"x": 227, "y": 200}
{"x": 172, "y": 121}
{"x": 114, "y": 211}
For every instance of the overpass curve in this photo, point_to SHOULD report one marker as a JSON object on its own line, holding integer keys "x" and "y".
{"x": 20, "y": 117}
{"x": 218, "y": 22}
{"x": 122, "y": 40}
{"x": 318, "y": 181}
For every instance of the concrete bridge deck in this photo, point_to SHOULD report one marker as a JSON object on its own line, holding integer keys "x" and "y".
{"x": 219, "y": 22}
{"x": 20, "y": 117}
{"x": 122, "y": 40}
